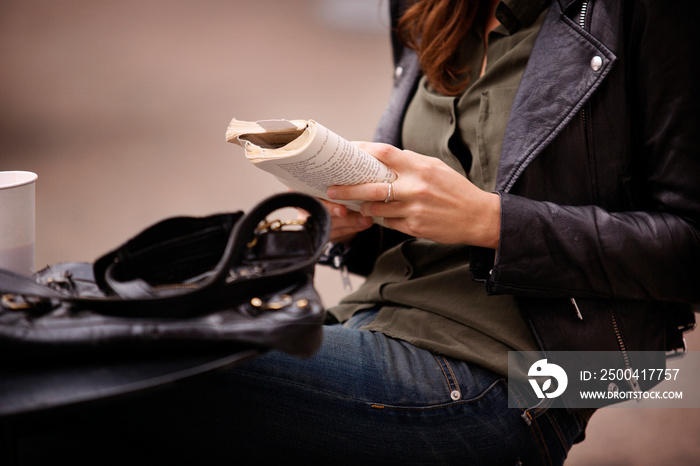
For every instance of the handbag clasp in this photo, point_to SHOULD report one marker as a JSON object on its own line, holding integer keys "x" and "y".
{"x": 285, "y": 301}
{"x": 274, "y": 225}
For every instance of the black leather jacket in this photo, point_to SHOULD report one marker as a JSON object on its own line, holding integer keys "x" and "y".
{"x": 599, "y": 177}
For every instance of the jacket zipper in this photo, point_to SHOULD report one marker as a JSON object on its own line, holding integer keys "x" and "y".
{"x": 582, "y": 23}
{"x": 625, "y": 356}
{"x": 616, "y": 327}
{"x": 582, "y": 17}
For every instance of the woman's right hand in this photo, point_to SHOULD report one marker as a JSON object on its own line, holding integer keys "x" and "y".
{"x": 345, "y": 224}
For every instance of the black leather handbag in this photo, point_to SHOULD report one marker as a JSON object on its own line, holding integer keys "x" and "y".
{"x": 184, "y": 285}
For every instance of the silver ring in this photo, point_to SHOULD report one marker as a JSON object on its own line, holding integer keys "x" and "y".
{"x": 388, "y": 195}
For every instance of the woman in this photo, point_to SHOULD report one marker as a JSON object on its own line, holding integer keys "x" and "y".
{"x": 582, "y": 208}
{"x": 556, "y": 208}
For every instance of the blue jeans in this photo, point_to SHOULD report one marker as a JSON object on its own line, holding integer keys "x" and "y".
{"x": 363, "y": 399}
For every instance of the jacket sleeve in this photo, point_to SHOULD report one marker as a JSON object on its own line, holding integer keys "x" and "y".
{"x": 652, "y": 250}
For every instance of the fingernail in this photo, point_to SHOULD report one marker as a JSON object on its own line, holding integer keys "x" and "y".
{"x": 331, "y": 193}
{"x": 336, "y": 211}
{"x": 365, "y": 221}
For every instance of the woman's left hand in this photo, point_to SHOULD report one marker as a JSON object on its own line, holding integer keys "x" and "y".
{"x": 428, "y": 200}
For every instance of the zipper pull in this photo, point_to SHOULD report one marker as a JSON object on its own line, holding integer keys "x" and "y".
{"x": 339, "y": 264}
{"x": 578, "y": 311}
{"x": 345, "y": 278}
{"x": 334, "y": 257}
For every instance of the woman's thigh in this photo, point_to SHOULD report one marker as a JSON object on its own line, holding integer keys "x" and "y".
{"x": 363, "y": 398}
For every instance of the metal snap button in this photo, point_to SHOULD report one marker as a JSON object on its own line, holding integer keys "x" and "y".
{"x": 455, "y": 395}
{"x": 596, "y": 63}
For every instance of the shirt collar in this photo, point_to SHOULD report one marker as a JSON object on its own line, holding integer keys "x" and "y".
{"x": 514, "y": 14}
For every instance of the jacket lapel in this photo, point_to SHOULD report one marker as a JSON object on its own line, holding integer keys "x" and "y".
{"x": 558, "y": 80}
{"x": 406, "y": 76}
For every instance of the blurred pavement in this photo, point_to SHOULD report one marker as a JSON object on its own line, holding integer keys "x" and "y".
{"x": 121, "y": 108}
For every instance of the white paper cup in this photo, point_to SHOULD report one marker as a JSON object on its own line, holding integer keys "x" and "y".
{"x": 17, "y": 225}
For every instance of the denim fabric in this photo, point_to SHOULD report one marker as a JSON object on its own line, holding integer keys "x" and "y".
{"x": 363, "y": 398}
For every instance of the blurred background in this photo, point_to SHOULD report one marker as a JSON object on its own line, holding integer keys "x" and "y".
{"x": 121, "y": 107}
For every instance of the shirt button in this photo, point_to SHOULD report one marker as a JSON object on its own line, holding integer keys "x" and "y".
{"x": 398, "y": 72}
{"x": 596, "y": 63}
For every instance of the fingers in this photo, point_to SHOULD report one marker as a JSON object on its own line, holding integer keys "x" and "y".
{"x": 402, "y": 162}
{"x": 362, "y": 192}
{"x": 345, "y": 228}
{"x": 383, "y": 210}
{"x": 397, "y": 159}
{"x": 345, "y": 224}
{"x": 336, "y": 210}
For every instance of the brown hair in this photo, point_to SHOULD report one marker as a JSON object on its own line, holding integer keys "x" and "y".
{"x": 434, "y": 29}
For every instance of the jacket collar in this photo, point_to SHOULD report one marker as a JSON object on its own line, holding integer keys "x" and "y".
{"x": 566, "y": 4}
{"x": 514, "y": 14}
{"x": 558, "y": 80}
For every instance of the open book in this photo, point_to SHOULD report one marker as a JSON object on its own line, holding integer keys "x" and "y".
{"x": 307, "y": 156}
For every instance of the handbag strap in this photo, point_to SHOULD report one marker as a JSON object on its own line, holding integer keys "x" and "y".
{"x": 318, "y": 222}
{"x": 168, "y": 252}
{"x": 12, "y": 283}
{"x": 139, "y": 298}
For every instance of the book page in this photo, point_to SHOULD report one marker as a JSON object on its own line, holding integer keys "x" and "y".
{"x": 316, "y": 160}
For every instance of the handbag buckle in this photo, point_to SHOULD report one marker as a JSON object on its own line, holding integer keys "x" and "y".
{"x": 10, "y": 301}
{"x": 37, "y": 306}
{"x": 285, "y": 301}
{"x": 274, "y": 225}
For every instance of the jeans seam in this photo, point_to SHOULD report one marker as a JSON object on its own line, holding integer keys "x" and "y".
{"x": 537, "y": 435}
{"x": 515, "y": 395}
{"x": 263, "y": 378}
{"x": 452, "y": 383}
{"x": 580, "y": 423}
{"x": 542, "y": 445}
{"x": 440, "y": 406}
{"x": 533, "y": 412}
{"x": 557, "y": 430}
{"x": 454, "y": 377}
{"x": 372, "y": 404}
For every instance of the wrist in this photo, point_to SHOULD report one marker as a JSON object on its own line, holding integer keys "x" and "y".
{"x": 491, "y": 232}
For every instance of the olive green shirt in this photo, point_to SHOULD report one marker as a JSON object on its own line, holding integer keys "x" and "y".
{"x": 426, "y": 291}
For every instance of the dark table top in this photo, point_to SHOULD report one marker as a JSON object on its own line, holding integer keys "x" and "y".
{"x": 31, "y": 387}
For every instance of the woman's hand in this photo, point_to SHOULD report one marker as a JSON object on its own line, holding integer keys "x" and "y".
{"x": 345, "y": 224}
{"x": 428, "y": 200}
